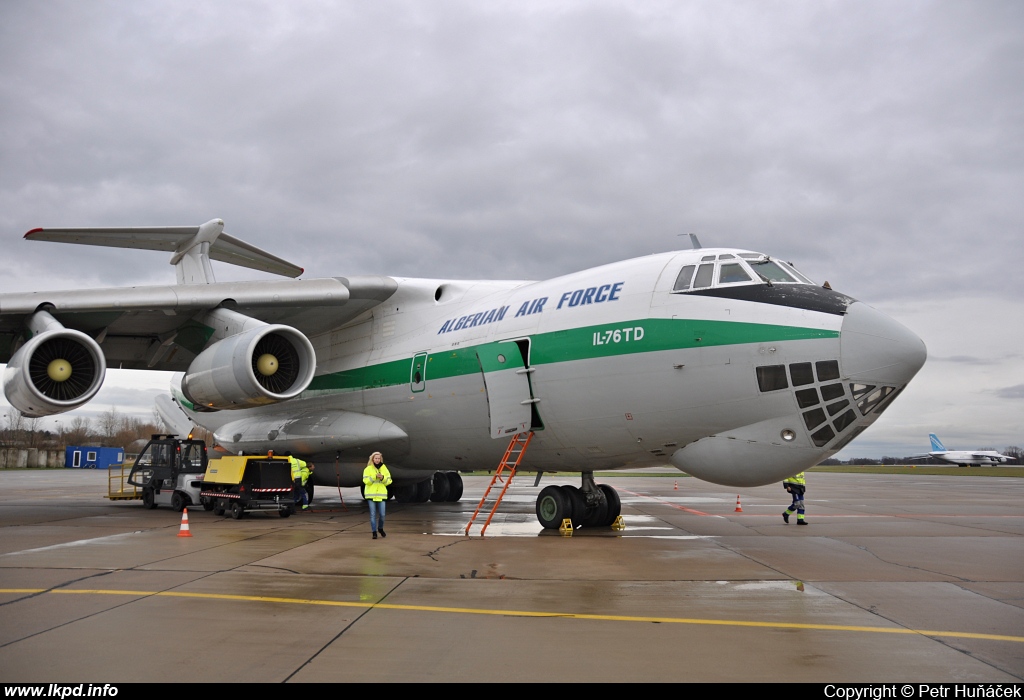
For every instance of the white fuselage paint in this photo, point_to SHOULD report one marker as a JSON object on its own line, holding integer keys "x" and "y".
{"x": 618, "y": 375}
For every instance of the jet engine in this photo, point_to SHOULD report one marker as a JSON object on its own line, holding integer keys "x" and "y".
{"x": 260, "y": 366}
{"x": 58, "y": 369}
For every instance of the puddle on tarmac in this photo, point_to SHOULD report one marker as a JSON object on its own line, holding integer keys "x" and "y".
{"x": 527, "y": 526}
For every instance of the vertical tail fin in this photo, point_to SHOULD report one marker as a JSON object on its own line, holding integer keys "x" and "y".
{"x": 937, "y": 445}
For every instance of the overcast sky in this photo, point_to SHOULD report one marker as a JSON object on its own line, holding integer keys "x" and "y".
{"x": 877, "y": 145}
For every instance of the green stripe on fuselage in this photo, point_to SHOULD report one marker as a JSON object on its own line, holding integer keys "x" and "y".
{"x": 606, "y": 340}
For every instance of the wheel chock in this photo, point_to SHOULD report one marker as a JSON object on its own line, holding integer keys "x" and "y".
{"x": 619, "y": 523}
{"x": 566, "y": 528}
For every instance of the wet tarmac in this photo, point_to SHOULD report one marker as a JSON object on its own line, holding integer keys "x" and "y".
{"x": 896, "y": 578}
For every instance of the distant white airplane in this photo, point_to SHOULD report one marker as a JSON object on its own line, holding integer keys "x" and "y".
{"x": 727, "y": 363}
{"x": 961, "y": 457}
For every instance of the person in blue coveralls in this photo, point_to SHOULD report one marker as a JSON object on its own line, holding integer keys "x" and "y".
{"x": 797, "y": 486}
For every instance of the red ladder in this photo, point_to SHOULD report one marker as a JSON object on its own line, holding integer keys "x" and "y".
{"x": 507, "y": 465}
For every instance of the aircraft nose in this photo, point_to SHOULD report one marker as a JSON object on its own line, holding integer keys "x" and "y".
{"x": 875, "y": 349}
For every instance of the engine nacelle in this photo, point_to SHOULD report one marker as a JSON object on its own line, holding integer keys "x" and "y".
{"x": 55, "y": 371}
{"x": 260, "y": 366}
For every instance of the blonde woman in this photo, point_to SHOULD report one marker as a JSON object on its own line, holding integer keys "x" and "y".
{"x": 376, "y": 479}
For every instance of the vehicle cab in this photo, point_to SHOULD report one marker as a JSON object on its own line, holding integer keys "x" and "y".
{"x": 170, "y": 471}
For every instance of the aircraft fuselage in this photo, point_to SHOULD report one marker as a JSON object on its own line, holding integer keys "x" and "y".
{"x": 735, "y": 383}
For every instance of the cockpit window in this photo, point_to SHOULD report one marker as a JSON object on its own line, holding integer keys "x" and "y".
{"x": 736, "y": 269}
{"x": 732, "y": 273}
{"x": 769, "y": 269}
{"x": 704, "y": 275}
{"x": 684, "y": 278}
{"x": 796, "y": 274}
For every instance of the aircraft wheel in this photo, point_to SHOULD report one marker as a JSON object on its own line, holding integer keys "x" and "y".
{"x": 439, "y": 487}
{"x": 236, "y": 510}
{"x": 454, "y": 486}
{"x": 148, "y": 499}
{"x": 406, "y": 493}
{"x": 552, "y": 507}
{"x": 178, "y": 501}
{"x": 577, "y": 505}
{"x": 596, "y": 516}
{"x": 423, "y": 490}
{"x": 614, "y": 504}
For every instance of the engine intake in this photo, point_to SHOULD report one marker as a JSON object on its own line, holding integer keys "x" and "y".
{"x": 261, "y": 366}
{"x": 55, "y": 371}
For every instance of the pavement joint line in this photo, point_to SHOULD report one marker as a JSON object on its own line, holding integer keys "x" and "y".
{"x": 525, "y": 613}
{"x": 816, "y": 515}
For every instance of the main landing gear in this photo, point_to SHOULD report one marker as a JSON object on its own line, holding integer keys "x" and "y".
{"x": 593, "y": 505}
{"x": 442, "y": 487}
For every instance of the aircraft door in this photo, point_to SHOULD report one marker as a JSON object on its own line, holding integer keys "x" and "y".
{"x": 507, "y": 380}
{"x": 418, "y": 373}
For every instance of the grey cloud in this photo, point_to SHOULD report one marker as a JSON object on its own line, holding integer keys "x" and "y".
{"x": 1011, "y": 392}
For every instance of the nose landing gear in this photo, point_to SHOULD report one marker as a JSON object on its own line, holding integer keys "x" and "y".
{"x": 593, "y": 505}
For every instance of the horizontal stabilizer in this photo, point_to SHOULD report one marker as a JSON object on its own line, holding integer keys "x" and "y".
{"x": 307, "y": 433}
{"x": 173, "y": 239}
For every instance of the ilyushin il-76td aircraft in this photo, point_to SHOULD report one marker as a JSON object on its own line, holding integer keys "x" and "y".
{"x": 729, "y": 364}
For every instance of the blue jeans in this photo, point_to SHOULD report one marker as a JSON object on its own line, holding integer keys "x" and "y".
{"x": 375, "y": 508}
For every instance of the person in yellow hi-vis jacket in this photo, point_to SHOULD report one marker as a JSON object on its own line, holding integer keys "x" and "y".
{"x": 376, "y": 479}
{"x": 797, "y": 487}
{"x": 300, "y": 475}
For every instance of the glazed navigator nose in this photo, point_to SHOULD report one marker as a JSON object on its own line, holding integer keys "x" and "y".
{"x": 874, "y": 349}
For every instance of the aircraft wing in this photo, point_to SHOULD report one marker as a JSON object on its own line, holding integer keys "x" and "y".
{"x": 172, "y": 239}
{"x": 157, "y": 328}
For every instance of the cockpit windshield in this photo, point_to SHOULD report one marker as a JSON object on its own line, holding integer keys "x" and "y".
{"x": 728, "y": 269}
{"x": 769, "y": 269}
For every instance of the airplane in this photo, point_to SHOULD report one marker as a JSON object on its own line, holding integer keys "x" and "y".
{"x": 726, "y": 363}
{"x": 961, "y": 457}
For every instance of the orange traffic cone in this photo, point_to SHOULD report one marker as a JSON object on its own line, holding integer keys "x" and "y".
{"x": 184, "y": 531}
{"x": 739, "y": 508}
{"x": 675, "y": 486}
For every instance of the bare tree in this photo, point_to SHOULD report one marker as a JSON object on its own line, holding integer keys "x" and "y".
{"x": 79, "y": 431}
{"x": 12, "y": 428}
{"x": 110, "y": 424}
{"x": 32, "y": 431}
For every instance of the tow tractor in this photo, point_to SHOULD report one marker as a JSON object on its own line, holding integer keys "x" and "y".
{"x": 170, "y": 471}
{"x": 244, "y": 484}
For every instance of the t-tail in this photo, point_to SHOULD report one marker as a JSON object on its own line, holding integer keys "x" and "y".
{"x": 937, "y": 445}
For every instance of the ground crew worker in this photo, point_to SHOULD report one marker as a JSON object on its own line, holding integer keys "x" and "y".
{"x": 376, "y": 479}
{"x": 300, "y": 474}
{"x": 797, "y": 486}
